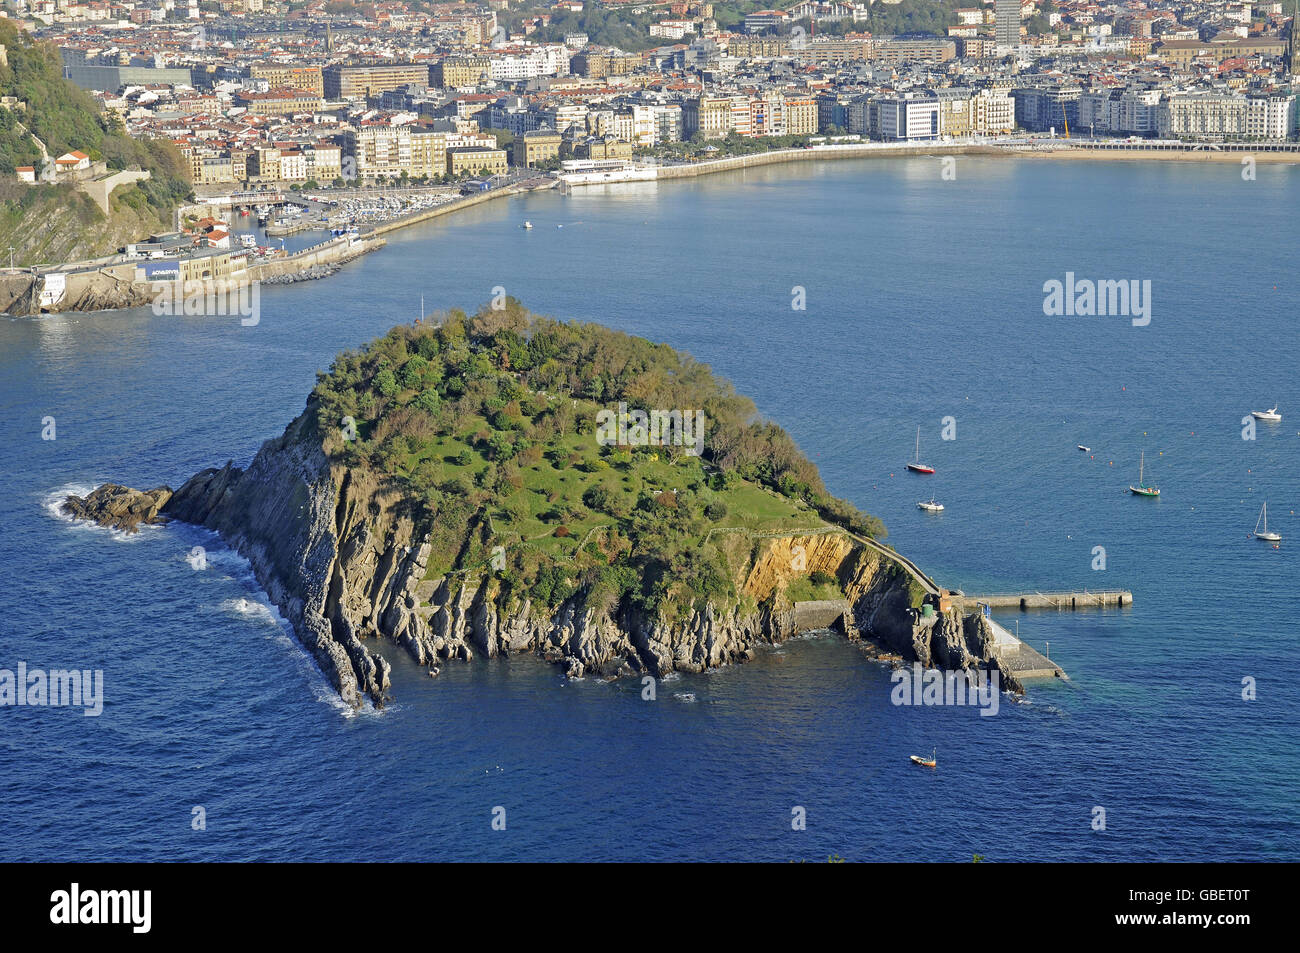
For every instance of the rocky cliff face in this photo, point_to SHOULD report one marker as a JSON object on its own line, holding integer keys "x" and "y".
{"x": 340, "y": 555}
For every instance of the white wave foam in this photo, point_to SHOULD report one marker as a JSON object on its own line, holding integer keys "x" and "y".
{"x": 684, "y": 696}
{"x": 249, "y": 609}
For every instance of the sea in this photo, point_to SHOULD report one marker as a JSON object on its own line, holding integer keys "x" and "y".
{"x": 855, "y": 302}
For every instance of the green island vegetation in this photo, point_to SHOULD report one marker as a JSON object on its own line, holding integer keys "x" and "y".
{"x": 488, "y": 424}
{"x": 64, "y": 118}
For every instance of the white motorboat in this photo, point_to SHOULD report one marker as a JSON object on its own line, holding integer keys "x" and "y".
{"x": 930, "y": 507}
{"x": 1271, "y": 415}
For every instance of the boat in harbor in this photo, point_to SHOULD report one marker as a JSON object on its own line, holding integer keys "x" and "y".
{"x": 1085, "y": 449}
{"x": 916, "y": 466}
{"x": 930, "y": 762}
{"x": 1271, "y": 415}
{"x": 248, "y": 241}
{"x": 527, "y": 225}
{"x": 1264, "y": 533}
{"x": 1143, "y": 489}
{"x": 931, "y": 507}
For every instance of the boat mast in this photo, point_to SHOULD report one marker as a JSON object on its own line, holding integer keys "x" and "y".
{"x": 918, "y": 444}
{"x": 1142, "y": 463}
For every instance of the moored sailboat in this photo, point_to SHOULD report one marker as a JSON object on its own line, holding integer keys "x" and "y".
{"x": 1142, "y": 489}
{"x": 916, "y": 466}
{"x": 1264, "y": 534}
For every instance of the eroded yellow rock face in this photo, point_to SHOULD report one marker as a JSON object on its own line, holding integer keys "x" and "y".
{"x": 781, "y": 559}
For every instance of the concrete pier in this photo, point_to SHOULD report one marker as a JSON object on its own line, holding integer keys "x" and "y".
{"x": 1022, "y": 660}
{"x": 1081, "y": 599}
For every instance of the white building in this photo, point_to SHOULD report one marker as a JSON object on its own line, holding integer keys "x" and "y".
{"x": 1212, "y": 115}
{"x": 542, "y": 61}
{"x": 903, "y": 118}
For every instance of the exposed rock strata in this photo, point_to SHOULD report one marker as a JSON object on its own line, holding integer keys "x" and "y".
{"x": 338, "y": 553}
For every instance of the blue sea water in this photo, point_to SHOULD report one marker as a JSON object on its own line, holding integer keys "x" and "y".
{"x": 924, "y": 301}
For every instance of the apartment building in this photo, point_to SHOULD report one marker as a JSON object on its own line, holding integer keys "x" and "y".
{"x": 456, "y": 71}
{"x": 279, "y": 102}
{"x": 899, "y": 50}
{"x": 635, "y": 124}
{"x": 277, "y": 76}
{"x": 564, "y": 116}
{"x": 1212, "y": 115}
{"x": 324, "y": 162}
{"x": 1132, "y": 111}
{"x": 835, "y": 51}
{"x": 361, "y": 82}
{"x": 1047, "y": 107}
{"x": 710, "y": 116}
{"x": 800, "y": 116}
{"x": 428, "y": 151}
{"x": 668, "y": 122}
{"x": 378, "y": 150}
{"x": 543, "y": 61}
{"x": 755, "y": 46}
{"x": 595, "y": 63}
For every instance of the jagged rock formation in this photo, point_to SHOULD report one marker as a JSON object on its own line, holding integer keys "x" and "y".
{"x": 120, "y": 507}
{"x": 338, "y": 552}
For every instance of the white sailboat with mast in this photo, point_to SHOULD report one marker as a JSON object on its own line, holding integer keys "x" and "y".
{"x": 1264, "y": 534}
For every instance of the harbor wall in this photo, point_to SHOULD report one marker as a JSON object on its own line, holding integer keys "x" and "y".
{"x": 864, "y": 150}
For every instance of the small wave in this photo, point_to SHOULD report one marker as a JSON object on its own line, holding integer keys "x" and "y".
{"x": 52, "y": 502}
{"x": 256, "y": 607}
{"x": 672, "y": 677}
{"x": 249, "y": 609}
{"x": 684, "y": 696}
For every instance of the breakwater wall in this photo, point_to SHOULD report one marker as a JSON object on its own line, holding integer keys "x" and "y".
{"x": 871, "y": 150}
{"x": 469, "y": 201}
{"x": 332, "y": 251}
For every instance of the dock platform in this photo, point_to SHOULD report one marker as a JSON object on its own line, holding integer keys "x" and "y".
{"x": 1081, "y": 599}
{"x": 1022, "y": 660}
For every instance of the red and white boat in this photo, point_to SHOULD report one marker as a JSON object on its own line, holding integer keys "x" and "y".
{"x": 916, "y": 466}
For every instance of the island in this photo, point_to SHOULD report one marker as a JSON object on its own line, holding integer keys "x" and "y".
{"x": 475, "y": 485}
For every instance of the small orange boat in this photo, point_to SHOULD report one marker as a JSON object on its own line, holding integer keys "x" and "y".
{"x": 931, "y": 763}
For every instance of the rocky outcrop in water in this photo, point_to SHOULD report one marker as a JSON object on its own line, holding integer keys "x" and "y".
{"x": 120, "y": 507}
